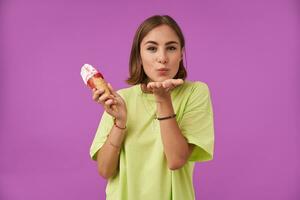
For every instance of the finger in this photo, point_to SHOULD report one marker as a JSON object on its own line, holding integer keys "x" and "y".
{"x": 103, "y": 98}
{"x": 174, "y": 82}
{"x": 113, "y": 98}
{"x": 153, "y": 85}
{"x": 150, "y": 85}
{"x": 94, "y": 96}
{"x": 167, "y": 83}
{"x": 181, "y": 81}
{"x": 172, "y": 85}
{"x": 178, "y": 81}
{"x": 95, "y": 90}
{"x": 110, "y": 107}
{"x": 109, "y": 102}
{"x": 158, "y": 84}
{"x": 97, "y": 93}
{"x": 115, "y": 102}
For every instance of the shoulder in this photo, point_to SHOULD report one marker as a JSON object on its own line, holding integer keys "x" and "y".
{"x": 197, "y": 93}
{"x": 195, "y": 87}
{"x": 195, "y": 96}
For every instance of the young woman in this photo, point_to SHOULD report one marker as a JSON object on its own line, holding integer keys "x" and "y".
{"x": 147, "y": 144}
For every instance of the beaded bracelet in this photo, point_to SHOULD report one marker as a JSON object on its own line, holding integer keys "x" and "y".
{"x": 168, "y": 117}
{"x": 118, "y": 126}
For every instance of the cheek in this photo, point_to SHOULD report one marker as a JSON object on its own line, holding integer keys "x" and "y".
{"x": 146, "y": 58}
{"x": 146, "y": 65}
{"x": 147, "y": 62}
{"x": 176, "y": 60}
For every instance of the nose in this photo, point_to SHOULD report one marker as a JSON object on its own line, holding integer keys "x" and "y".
{"x": 162, "y": 57}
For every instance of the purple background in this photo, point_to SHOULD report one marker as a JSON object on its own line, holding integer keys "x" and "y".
{"x": 246, "y": 51}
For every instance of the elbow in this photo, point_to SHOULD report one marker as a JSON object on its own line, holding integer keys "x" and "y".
{"x": 176, "y": 165}
{"x": 177, "y": 162}
{"x": 104, "y": 171}
{"x": 105, "y": 174}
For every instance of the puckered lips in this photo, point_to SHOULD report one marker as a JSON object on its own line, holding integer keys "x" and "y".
{"x": 162, "y": 71}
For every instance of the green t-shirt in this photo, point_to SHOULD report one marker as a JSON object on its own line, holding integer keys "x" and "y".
{"x": 143, "y": 171}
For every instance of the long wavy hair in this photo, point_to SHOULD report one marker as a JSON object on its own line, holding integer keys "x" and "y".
{"x": 137, "y": 74}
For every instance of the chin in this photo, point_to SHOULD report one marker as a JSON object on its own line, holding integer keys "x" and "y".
{"x": 161, "y": 79}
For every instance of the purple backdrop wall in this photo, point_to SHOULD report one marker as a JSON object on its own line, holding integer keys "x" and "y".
{"x": 246, "y": 51}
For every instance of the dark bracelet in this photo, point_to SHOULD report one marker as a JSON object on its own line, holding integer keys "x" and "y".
{"x": 168, "y": 117}
{"x": 119, "y": 126}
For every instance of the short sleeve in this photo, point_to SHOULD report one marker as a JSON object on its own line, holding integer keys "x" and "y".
{"x": 102, "y": 132}
{"x": 197, "y": 124}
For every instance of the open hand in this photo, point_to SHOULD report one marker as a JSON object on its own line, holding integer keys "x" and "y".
{"x": 162, "y": 89}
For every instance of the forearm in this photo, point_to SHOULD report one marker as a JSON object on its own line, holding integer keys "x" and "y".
{"x": 175, "y": 145}
{"x": 108, "y": 156}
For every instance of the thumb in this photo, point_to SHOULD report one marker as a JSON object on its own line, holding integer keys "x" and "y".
{"x": 179, "y": 81}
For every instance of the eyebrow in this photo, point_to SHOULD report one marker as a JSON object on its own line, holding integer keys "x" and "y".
{"x": 167, "y": 43}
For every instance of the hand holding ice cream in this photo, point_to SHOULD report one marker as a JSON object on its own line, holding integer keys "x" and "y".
{"x": 103, "y": 93}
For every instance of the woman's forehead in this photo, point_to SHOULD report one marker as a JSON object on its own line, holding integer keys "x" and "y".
{"x": 161, "y": 35}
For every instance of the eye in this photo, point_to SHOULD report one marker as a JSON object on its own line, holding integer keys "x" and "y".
{"x": 172, "y": 48}
{"x": 151, "y": 48}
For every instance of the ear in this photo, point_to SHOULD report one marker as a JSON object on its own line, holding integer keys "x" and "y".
{"x": 182, "y": 52}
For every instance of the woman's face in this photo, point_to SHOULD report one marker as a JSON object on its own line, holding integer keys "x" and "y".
{"x": 161, "y": 53}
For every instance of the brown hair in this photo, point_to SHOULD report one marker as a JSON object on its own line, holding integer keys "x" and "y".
{"x": 136, "y": 71}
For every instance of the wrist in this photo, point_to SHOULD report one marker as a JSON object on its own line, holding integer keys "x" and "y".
{"x": 164, "y": 107}
{"x": 163, "y": 99}
{"x": 166, "y": 117}
{"x": 120, "y": 122}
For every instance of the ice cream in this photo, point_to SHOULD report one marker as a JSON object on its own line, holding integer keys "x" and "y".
{"x": 93, "y": 79}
